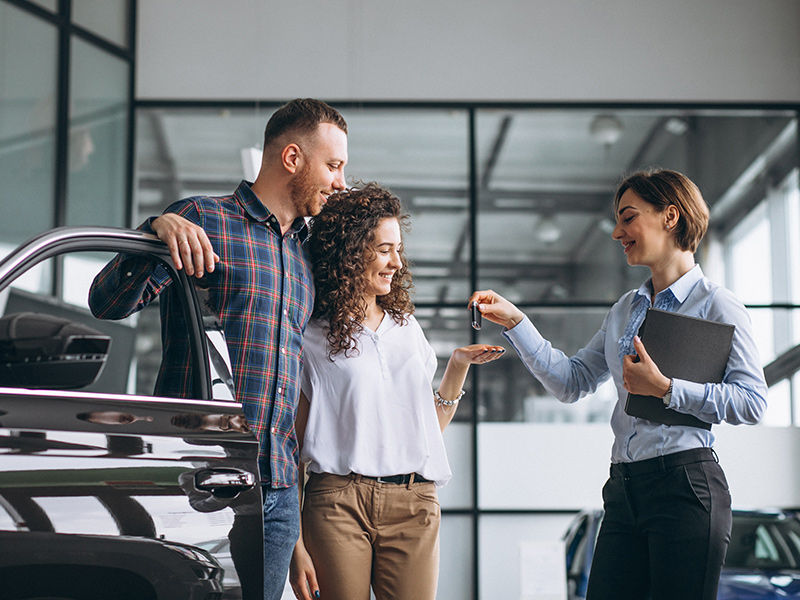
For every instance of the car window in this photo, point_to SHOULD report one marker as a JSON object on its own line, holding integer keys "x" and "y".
{"x": 793, "y": 539}
{"x": 132, "y": 356}
{"x": 764, "y": 542}
{"x": 765, "y": 549}
{"x": 577, "y": 547}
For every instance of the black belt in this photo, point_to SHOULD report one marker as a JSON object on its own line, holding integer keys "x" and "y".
{"x": 398, "y": 479}
{"x": 662, "y": 463}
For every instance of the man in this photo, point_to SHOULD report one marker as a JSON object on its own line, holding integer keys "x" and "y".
{"x": 248, "y": 249}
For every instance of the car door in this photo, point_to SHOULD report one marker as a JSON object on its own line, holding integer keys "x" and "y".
{"x": 107, "y": 490}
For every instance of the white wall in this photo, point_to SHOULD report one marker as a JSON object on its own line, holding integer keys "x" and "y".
{"x": 563, "y": 466}
{"x": 526, "y": 50}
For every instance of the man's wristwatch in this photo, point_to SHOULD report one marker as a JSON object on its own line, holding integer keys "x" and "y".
{"x": 668, "y": 396}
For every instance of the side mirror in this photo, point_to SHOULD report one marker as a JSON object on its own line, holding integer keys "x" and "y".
{"x": 41, "y": 351}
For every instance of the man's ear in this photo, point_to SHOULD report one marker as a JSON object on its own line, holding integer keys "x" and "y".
{"x": 291, "y": 157}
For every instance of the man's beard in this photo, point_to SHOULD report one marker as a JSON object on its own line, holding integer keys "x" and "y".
{"x": 304, "y": 194}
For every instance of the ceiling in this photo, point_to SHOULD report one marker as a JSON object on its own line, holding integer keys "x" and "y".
{"x": 543, "y": 180}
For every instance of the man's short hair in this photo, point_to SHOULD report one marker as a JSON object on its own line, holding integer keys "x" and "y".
{"x": 301, "y": 116}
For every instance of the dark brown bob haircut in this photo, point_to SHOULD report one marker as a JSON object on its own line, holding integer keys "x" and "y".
{"x": 301, "y": 116}
{"x": 341, "y": 244}
{"x": 663, "y": 188}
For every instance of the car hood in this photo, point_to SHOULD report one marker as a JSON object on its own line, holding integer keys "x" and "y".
{"x": 742, "y": 584}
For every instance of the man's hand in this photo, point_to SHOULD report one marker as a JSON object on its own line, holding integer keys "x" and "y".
{"x": 188, "y": 244}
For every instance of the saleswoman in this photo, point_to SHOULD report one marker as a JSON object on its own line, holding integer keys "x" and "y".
{"x": 667, "y": 505}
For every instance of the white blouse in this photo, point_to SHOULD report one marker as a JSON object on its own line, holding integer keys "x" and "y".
{"x": 373, "y": 412}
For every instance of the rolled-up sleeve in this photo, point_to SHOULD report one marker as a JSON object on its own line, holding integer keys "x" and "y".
{"x": 130, "y": 282}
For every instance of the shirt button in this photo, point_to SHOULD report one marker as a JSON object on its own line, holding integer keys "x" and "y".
{"x": 274, "y": 430}
{"x": 280, "y": 390}
{"x": 283, "y": 350}
{"x": 285, "y": 312}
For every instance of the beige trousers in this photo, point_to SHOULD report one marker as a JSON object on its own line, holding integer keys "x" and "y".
{"x": 360, "y": 532}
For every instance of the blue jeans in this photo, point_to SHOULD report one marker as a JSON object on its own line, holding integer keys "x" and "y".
{"x": 281, "y": 530}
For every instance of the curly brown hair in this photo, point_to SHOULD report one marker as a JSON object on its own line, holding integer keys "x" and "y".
{"x": 341, "y": 246}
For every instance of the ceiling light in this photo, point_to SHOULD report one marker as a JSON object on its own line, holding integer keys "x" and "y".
{"x": 547, "y": 230}
{"x": 676, "y": 126}
{"x": 606, "y": 129}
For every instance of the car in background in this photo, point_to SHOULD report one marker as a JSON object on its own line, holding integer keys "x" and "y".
{"x": 762, "y": 563}
{"x": 220, "y": 549}
{"x": 107, "y": 490}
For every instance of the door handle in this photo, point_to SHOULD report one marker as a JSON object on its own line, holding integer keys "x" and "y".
{"x": 224, "y": 482}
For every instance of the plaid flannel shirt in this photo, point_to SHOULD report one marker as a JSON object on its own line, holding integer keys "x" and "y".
{"x": 262, "y": 289}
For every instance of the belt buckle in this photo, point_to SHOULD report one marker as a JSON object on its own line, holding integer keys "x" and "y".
{"x": 393, "y": 479}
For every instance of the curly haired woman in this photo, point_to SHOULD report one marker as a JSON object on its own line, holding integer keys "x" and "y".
{"x": 369, "y": 423}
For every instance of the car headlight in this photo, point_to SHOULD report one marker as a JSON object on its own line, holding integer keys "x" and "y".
{"x": 202, "y": 563}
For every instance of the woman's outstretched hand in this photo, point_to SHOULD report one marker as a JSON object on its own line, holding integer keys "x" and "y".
{"x": 496, "y": 309}
{"x": 477, "y": 354}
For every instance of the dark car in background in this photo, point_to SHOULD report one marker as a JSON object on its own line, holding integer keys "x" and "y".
{"x": 106, "y": 490}
{"x": 762, "y": 563}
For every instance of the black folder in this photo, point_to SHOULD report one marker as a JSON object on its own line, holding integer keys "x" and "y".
{"x": 686, "y": 348}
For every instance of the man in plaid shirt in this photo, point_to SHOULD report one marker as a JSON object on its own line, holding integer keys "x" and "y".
{"x": 248, "y": 248}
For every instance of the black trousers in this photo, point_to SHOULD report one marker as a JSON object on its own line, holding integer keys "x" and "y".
{"x": 666, "y": 529}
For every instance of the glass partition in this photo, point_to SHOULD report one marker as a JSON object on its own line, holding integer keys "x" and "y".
{"x": 48, "y": 4}
{"x": 536, "y": 188}
{"x": 106, "y": 18}
{"x": 544, "y": 222}
{"x": 455, "y": 564}
{"x": 28, "y": 53}
{"x": 98, "y": 121}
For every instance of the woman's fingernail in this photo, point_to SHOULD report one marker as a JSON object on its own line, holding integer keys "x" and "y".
{"x": 316, "y": 594}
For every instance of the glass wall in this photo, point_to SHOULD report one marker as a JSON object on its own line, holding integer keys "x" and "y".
{"x": 763, "y": 269}
{"x": 98, "y": 161}
{"x": 65, "y": 115}
{"x": 27, "y": 124}
{"x": 518, "y": 199}
{"x": 513, "y": 198}
{"x": 110, "y": 19}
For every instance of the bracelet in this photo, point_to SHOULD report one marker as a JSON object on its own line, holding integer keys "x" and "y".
{"x": 442, "y": 402}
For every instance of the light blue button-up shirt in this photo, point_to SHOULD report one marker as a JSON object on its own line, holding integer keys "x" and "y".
{"x": 740, "y": 398}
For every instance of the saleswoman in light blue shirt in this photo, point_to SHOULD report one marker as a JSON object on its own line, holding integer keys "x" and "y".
{"x": 667, "y": 506}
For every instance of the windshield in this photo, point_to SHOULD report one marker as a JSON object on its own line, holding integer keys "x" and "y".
{"x": 764, "y": 542}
